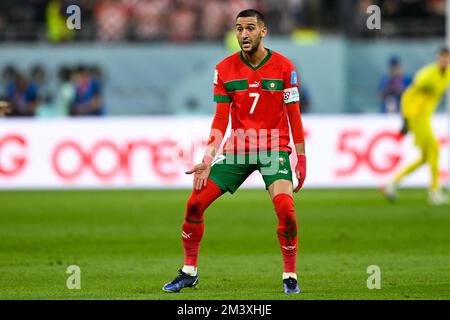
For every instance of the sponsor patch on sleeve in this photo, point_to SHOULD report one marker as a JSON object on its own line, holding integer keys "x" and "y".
{"x": 216, "y": 76}
{"x": 294, "y": 79}
{"x": 291, "y": 95}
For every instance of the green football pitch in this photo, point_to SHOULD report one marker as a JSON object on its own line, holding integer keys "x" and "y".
{"x": 128, "y": 244}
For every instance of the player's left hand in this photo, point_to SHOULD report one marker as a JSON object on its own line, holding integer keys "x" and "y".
{"x": 300, "y": 171}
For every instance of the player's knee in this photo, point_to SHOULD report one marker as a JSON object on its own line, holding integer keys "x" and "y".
{"x": 195, "y": 207}
{"x": 286, "y": 208}
{"x": 284, "y": 204}
{"x": 287, "y": 220}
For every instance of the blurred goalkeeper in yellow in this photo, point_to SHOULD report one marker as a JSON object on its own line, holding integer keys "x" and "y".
{"x": 418, "y": 103}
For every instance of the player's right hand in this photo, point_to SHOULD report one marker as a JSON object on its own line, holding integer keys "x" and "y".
{"x": 201, "y": 173}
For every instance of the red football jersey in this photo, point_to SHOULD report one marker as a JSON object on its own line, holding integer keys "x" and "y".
{"x": 258, "y": 96}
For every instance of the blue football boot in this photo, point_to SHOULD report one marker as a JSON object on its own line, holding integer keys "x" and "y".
{"x": 183, "y": 280}
{"x": 290, "y": 285}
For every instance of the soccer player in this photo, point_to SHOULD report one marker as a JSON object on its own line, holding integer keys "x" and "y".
{"x": 419, "y": 101}
{"x": 259, "y": 88}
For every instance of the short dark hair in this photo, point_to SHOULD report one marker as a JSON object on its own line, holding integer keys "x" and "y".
{"x": 443, "y": 50}
{"x": 251, "y": 13}
{"x": 81, "y": 69}
{"x": 64, "y": 73}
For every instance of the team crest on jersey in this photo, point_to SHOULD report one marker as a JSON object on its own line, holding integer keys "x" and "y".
{"x": 272, "y": 85}
{"x": 294, "y": 79}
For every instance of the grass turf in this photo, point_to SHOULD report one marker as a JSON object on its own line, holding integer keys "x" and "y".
{"x": 128, "y": 244}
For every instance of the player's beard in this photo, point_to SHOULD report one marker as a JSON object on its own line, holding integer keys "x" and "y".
{"x": 254, "y": 47}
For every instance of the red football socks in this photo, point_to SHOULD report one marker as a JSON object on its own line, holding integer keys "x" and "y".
{"x": 193, "y": 227}
{"x": 287, "y": 230}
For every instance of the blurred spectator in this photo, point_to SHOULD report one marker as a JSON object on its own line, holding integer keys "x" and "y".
{"x": 391, "y": 9}
{"x": 9, "y": 74}
{"x": 78, "y": 92}
{"x": 23, "y": 96}
{"x": 356, "y": 20}
{"x": 230, "y": 41}
{"x": 236, "y": 6}
{"x": 214, "y": 21}
{"x": 436, "y": 7}
{"x": 38, "y": 77}
{"x": 56, "y": 22}
{"x": 305, "y": 99}
{"x": 3, "y": 20}
{"x": 182, "y": 23}
{"x": 392, "y": 86}
{"x": 293, "y": 15}
{"x": 97, "y": 74}
{"x": 149, "y": 18}
{"x": 88, "y": 94}
{"x": 112, "y": 18}
{"x": 66, "y": 92}
{"x": 187, "y": 20}
{"x": 97, "y": 78}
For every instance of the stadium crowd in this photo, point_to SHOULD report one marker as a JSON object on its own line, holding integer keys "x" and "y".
{"x": 194, "y": 20}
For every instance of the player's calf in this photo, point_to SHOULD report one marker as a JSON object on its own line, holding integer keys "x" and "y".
{"x": 192, "y": 233}
{"x": 193, "y": 226}
{"x": 287, "y": 236}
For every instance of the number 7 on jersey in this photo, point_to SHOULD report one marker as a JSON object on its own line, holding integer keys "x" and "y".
{"x": 255, "y": 101}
